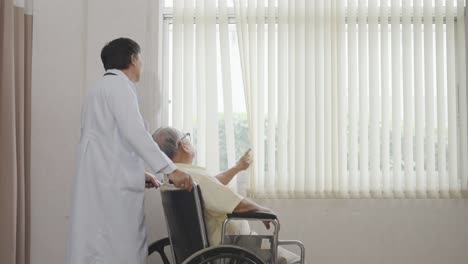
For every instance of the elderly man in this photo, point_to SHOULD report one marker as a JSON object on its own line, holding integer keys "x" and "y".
{"x": 218, "y": 198}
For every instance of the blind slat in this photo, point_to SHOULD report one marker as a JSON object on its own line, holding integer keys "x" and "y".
{"x": 282, "y": 95}
{"x": 419, "y": 100}
{"x": 385, "y": 82}
{"x": 319, "y": 103}
{"x": 310, "y": 127}
{"x": 291, "y": 70}
{"x": 374, "y": 89}
{"x": 177, "y": 64}
{"x": 396, "y": 98}
{"x": 334, "y": 99}
{"x": 200, "y": 80}
{"x": 342, "y": 101}
{"x": 462, "y": 98}
{"x": 272, "y": 91}
{"x": 299, "y": 100}
{"x": 441, "y": 102}
{"x": 363, "y": 101}
{"x": 252, "y": 88}
{"x": 188, "y": 67}
{"x": 327, "y": 106}
{"x": 212, "y": 147}
{"x": 429, "y": 95}
{"x": 408, "y": 101}
{"x": 353, "y": 98}
{"x": 260, "y": 159}
{"x": 451, "y": 100}
{"x": 227, "y": 91}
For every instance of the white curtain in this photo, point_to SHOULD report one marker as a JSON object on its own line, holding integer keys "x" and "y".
{"x": 364, "y": 98}
{"x": 199, "y": 40}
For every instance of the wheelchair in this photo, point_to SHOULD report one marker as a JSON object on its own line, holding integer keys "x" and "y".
{"x": 188, "y": 240}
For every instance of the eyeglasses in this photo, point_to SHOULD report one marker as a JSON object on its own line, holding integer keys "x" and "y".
{"x": 186, "y": 135}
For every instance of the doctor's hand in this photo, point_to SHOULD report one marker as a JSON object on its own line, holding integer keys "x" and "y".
{"x": 181, "y": 179}
{"x": 151, "y": 181}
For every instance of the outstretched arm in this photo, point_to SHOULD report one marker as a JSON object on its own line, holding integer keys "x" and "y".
{"x": 243, "y": 164}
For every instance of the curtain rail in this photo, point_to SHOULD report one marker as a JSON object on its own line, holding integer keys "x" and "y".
{"x": 169, "y": 16}
{"x": 232, "y": 19}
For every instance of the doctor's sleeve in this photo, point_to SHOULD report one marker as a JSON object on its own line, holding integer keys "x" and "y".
{"x": 123, "y": 103}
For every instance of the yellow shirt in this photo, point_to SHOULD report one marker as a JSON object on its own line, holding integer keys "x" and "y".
{"x": 218, "y": 200}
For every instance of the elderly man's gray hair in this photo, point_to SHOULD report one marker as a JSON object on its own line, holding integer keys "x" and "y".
{"x": 168, "y": 139}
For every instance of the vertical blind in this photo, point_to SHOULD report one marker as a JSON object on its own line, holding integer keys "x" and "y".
{"x": 198, "y": 26}
{"x": 344, "y": 98}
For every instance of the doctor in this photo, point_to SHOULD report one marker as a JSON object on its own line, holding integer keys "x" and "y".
{"x": 107, "y": 217}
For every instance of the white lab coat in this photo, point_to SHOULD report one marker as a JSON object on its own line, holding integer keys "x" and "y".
{"x": 107, "y": 217}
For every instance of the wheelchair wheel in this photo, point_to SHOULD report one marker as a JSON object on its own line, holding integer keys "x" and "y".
{"x": 223, "y": 255}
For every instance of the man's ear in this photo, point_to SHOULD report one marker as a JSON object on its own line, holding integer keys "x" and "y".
{"x": 134, "y": 59}
{"x": 185, "y": 147}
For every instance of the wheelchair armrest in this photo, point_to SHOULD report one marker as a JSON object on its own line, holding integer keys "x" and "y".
{"x": 254, "y": 215}
{"x": 159, "y": 247}
{"x": 296, "y": 243}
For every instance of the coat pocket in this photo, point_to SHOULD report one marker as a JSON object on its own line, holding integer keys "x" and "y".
{"x": 132, "y": 174}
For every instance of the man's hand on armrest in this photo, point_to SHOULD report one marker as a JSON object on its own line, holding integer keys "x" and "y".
{"x": 247, "y": 205}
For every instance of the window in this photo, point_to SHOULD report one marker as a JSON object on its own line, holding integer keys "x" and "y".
{"x": 333, "y": 131}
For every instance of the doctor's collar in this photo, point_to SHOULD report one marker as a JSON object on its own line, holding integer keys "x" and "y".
{"x": 118, "y": 72}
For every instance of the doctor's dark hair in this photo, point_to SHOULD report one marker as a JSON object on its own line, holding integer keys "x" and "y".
{"x": 117, "y": 54}
{"x": 167, "y": 139}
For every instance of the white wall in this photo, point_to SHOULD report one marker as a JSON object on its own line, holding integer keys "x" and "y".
{"x": 376, "y": 231}
{"x": 57, "y": 79}
{"x": 68, "y": 36}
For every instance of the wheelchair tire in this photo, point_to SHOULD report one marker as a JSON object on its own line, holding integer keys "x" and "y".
{"x": 226, "y": 254}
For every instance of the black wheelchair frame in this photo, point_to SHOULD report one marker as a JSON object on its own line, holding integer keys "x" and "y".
{"x": 188, "y": 237}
